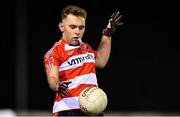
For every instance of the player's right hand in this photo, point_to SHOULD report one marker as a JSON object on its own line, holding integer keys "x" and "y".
{"x": 62, "y": 88}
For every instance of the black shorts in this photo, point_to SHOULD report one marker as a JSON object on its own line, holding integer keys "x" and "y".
{"x": 71, "y": 113}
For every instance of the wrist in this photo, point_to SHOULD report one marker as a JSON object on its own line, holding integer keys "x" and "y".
{"x": 57, "y": 86}
{"x": 107, "y": 32}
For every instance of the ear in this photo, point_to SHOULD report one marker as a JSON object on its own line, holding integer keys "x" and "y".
{"x": 61, "y": 27}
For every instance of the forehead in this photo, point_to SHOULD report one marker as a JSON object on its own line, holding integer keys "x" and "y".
{"x": 75, "y": 20}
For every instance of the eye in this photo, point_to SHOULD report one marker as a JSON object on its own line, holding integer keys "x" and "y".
{"x": 73, "y": 26}
{"x": 81, "y": 27}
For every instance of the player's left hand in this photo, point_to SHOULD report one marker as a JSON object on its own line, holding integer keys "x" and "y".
{"x": 114, "y": 22}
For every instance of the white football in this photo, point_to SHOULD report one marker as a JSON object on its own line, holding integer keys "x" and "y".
{"x": 93, "y": 100}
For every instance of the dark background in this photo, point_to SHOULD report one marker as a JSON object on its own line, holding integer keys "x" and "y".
{"x": 144, "y": 67}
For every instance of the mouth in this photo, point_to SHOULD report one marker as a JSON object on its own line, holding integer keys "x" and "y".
{"x": 76, "y": 41}
{"x": 76, "y": 38}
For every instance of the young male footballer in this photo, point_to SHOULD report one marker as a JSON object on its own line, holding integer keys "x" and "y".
{"x": 71, "y": 64}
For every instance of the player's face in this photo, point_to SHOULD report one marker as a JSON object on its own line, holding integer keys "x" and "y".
{"x": 73, "y": 28}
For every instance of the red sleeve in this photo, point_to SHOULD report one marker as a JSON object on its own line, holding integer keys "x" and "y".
{"x": 95, "y": 53}
{"x": 51, "y": 58}
{"x": 91, "y": 50}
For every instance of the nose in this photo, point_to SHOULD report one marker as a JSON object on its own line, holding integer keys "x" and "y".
{"x": 77, "y": 31}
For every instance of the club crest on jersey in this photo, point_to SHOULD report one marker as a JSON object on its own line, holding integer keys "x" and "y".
{"x": 85, "y": 47}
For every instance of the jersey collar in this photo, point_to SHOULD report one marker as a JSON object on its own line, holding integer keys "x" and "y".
{"x": 67, "y": 46}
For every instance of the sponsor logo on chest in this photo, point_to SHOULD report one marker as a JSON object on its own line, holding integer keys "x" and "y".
{"x": 81, "y": 59}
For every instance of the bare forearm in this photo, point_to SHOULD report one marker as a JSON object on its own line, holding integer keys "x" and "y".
{"x": 52, "y": 83}
{"x": 52, "y": 76}
{"x": 103, "y": 52}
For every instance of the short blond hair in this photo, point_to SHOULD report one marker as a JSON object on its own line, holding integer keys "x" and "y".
{"x": 74, "y": 10}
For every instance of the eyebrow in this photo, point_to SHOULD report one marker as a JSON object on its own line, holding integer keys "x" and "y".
{"x": 76, "y": 25}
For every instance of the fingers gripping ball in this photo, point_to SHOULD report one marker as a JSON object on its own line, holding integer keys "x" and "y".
{"x": 93, "y": 101}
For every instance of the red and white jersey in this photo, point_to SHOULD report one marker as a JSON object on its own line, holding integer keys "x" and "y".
{"x": 76, "y": 64}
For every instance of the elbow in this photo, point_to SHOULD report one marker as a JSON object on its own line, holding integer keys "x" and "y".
{"x": 101, "y": 62}
{"x": 101, "y": 66}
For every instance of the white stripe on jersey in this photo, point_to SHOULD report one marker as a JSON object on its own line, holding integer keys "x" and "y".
{"x": 76, "y": 61}
{"x": 83, "y": 79}
{"x": 66, "y": 104}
